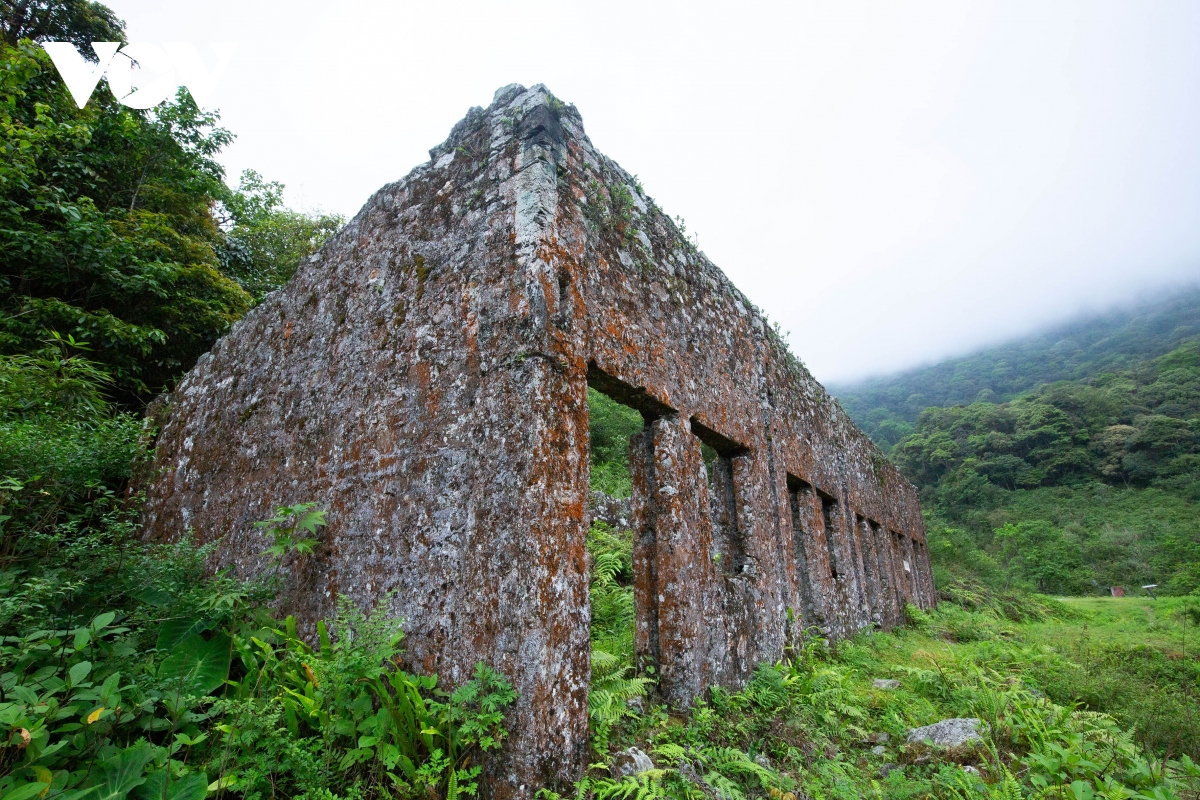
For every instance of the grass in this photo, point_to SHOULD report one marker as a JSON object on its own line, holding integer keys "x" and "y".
{"x": 1127, "y": 622}
{"x": 1080, "y": 697}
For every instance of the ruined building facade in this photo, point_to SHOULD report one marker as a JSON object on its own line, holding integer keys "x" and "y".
{"x": 424, "y": 379}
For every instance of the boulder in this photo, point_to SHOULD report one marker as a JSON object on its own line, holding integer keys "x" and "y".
{"x": 630, "y": 762}
{"x": 886, "y": 683}
{"x": 954, "y": 732}
{"x": 613, "y": 511}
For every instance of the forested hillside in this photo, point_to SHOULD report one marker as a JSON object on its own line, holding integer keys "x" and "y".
{"x": 1068, "y": 462}
{"x": 1120, "y": 340}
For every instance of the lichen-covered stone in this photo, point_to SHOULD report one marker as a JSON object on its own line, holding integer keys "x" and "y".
{"x": 424, "y": 379}
{"x": 612, "y": 511}
{"x": 630, "y": 762}
{"x": 955, "y": 732}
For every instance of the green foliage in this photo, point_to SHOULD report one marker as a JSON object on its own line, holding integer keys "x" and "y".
{"x": 79, "y": 22}
{"x": 107, "y": 228}
{"x": 610, "y": 693}
{"x": 611, "y": 553}
{"x": 1012, "y": 606}
{"x": 1124, "y": 340}
{"x": 612, "y": 685}
{"x": 266, "y": 242}
{"x": 91, "y": 706}
{"x": 610, "y": 426}
{"x": 610, "y": 209}
{"x": 1071, "y": 488}
{"x": 54, "y": 381}
{"x": 1055, "y": 723}
{"x": 343, "y": 714}
{"x": 63, "y": 453}
{"x": 287, "y": 530}
{"x": 118, "y": 700}
{"x": 1121, "y": 428}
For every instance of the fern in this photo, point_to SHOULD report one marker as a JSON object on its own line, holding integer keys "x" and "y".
{"x": 606, "y": 568}
{"x": 1007, "y": 789}
{"x": 646, "y": 786}
{"x": 610, "y": 693}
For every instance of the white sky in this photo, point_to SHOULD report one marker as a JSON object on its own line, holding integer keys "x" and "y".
{"x": 893, "y": 182}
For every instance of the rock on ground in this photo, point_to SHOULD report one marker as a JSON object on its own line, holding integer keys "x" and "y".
{"x": 613, "y": 511}
{"x": 630, "y": 762}
{"x": 948, "y": 733}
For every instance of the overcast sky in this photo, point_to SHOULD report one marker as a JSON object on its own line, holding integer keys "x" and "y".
{"x": 894, "y": 182}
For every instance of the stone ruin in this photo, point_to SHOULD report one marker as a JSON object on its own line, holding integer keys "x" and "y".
{"x": 423, "y": 378}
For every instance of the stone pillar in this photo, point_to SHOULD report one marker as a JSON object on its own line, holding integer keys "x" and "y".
{"x": 754, "y": 596}
{"x": 903, "y": 591}
{"x": 677, "y": 586}
{"x": 924, "y": 569}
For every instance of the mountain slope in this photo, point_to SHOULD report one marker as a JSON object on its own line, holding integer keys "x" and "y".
{"x": 1067, "y": 462}
{"x": 1122, "y": 339}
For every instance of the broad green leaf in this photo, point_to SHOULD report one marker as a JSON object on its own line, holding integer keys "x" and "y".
{"x": 78, "y": 794}
{"x": 174, "y": 631}
{"x": 197, "y": 666}
{"x": 26, "y": 791}
{"x": 155, "y": 597}
{"x": 104, "y": 620}
{"x": 78, "y": 672}
{"x": 223, "y": 782}
{"x": 123, "y": 773}
{"x": 24, "y": 694}
{"x": 160, "y": 786}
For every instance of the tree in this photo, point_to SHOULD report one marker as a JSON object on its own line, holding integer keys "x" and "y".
{"x": 79, "y": 22}
{"x": 107, "y": 226}
{"x": 267, "y": 241}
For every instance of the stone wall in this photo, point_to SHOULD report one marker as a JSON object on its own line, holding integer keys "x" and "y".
{"x": 424, "y": 379}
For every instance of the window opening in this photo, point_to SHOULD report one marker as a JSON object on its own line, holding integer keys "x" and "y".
{"x": 829, "y": 514}
{"x": 719, "y": 453}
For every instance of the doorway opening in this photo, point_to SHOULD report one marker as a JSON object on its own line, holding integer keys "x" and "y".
{"x": 624, "y": 624}
{"x": 611, "y": 425}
